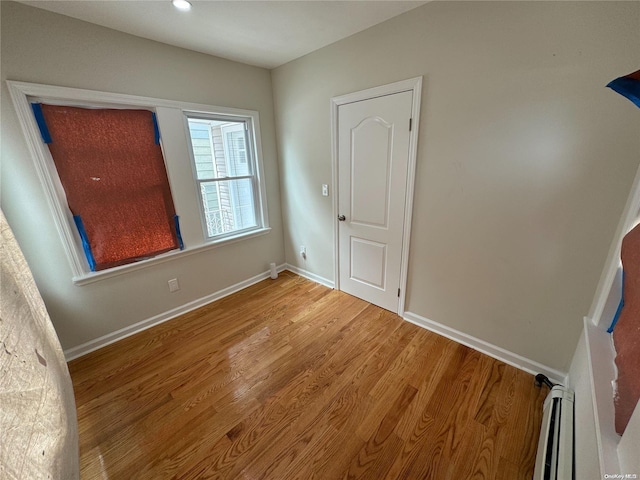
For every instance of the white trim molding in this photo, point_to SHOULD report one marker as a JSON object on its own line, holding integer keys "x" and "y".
{"x": 499, "y": 353}
{"x": 138, "y": 327}
{"x": 165, "y": 257}
{"x": 602, "y": 372}
{"x": 414, "y": 85}
{"x": 628, "y": 220}
{"x": 308, "y": 275}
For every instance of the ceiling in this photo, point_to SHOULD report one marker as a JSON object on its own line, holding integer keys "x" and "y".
{"x": 265, "y": 33}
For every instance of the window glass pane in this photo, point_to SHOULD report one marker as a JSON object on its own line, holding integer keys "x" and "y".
{"x": 202, "y": 149}
{"x": 236, "y": 149}
{"x": 228, "y": 206}
{"x": 212, "y": 213}
{"x": 219, "y": 148}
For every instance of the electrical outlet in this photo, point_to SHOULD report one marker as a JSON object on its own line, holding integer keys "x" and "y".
{"x": 303, "y": 251}
{"x": 325, "y": 190}
{"x": 174, "y": 286}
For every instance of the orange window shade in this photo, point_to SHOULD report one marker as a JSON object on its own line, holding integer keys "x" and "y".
{"x": 626, "y": 334}
{"x": 112, "y": 170}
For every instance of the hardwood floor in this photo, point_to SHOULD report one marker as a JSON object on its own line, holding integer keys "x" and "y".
{"x": 288, "y": 379}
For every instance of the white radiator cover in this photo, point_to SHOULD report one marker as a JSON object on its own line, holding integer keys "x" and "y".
{"x": 555, "y": 456}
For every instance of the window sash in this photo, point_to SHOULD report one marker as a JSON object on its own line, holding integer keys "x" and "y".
{"x": 224, "y": 179}
{"x": 207, "y": 213}
{"x": 225, "y": 152}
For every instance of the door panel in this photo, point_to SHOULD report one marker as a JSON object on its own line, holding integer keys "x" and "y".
{"x": 373, "y": 157}
{"x": 370, "y": 168}
{"x": 368, "y": 262}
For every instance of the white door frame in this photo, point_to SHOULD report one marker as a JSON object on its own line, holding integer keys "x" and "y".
{"x": 414, "y": 85}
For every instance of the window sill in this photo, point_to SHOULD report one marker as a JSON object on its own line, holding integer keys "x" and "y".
{"x": 92, "y": 277}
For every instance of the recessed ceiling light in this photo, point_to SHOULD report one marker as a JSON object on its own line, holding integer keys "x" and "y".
{"x": 181, "y": 5}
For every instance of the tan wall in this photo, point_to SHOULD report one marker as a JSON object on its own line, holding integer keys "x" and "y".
{"x": 524, "y": 162}
{"x": 42, "y": 47}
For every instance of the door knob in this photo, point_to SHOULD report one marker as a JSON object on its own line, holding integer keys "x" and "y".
{"x": 342, "y": 218}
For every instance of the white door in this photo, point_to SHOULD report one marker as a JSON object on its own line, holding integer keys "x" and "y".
{"x": 373, "y": 158}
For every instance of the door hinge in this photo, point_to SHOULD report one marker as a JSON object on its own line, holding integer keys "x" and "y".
{"x": 410, "y": 123}
{"x": 398, "y": 293}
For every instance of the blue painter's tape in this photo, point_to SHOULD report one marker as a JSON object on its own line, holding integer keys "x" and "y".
{"x": 85, "y": 242}
{"x": 177, "y": 223}
{"x": 156, "y": 130}
{"x": 627, "y": 87}
{"x": 619, "y": 310}
{"x": 42, "y": 124}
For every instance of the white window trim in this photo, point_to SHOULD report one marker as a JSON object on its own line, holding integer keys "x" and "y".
{"x": 54, "y": 193}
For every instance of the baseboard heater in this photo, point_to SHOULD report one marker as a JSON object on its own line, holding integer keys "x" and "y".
{"x": 555, "y": 457}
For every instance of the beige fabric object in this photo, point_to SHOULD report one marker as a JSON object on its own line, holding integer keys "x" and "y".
{"x": 38, "y": 423}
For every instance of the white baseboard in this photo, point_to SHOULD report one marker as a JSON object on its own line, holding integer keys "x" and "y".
{"x": 308, "y": 275}
{"x": 487, "y": 348}
{"x": 455, "y": 335}
{"x": 125, "y": 332}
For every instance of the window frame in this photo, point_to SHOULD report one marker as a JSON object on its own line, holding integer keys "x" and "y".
{"x": 254, "y": 161}
{"x": 23, "y": 93}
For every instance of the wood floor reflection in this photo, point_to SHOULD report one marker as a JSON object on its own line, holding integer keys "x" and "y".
{"x": 288, "y": 379}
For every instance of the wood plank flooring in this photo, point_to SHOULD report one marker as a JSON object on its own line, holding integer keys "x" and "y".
{"x": 288, "y": 379}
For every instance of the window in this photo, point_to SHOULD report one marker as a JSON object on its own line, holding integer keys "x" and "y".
{"x": 227, "y": 180}
{"x": 111, "y": 168}
{"x": 226, "y": 174}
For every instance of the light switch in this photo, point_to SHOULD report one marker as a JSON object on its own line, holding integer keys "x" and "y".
{"x": 325, "y": 190}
